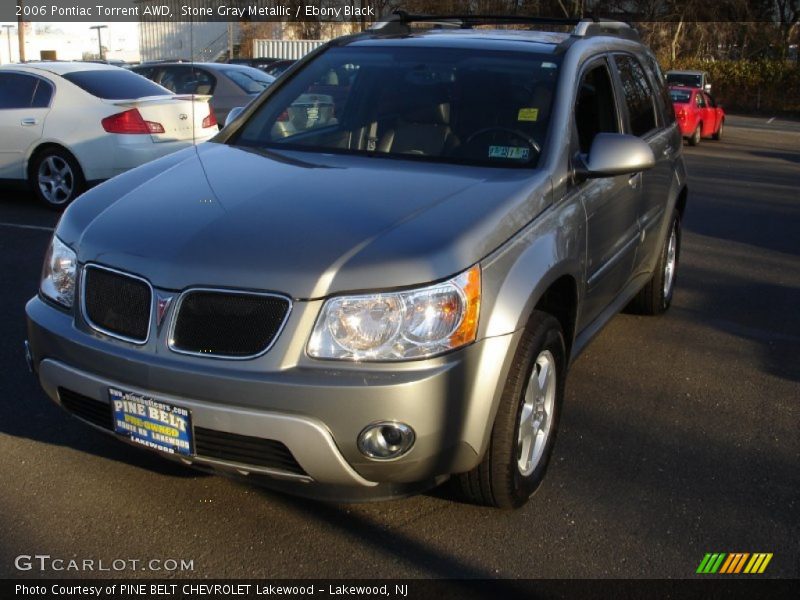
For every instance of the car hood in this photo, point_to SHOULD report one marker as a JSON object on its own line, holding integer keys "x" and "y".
{"x": 300, "y": 223}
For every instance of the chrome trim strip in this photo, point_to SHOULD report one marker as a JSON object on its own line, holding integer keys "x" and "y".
{"x": 95, "y": 326}
{"x": 177, "y": 310}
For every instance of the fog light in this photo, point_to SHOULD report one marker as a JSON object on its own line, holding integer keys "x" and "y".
{"x": 386, "y": 440}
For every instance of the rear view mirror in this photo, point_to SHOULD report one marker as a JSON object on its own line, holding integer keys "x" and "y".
{"x": 617, "y": 154}
{"x": 235, "y": 112}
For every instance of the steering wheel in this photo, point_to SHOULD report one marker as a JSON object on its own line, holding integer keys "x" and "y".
{"x": 520, "y": 134}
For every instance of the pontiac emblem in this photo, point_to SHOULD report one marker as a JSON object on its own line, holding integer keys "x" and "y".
{"x": 162, "y": 305}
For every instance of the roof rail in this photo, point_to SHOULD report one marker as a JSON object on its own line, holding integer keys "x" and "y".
{"x": 595, "y": 27}
{"x": 400, "y": 22}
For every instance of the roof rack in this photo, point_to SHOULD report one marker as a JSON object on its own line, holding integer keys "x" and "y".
{"x": 400, "y": 22}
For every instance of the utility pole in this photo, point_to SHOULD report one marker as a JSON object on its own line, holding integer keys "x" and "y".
{"x": 99, "y": 39}
{"x": 21, "y": 33}
{"x": 8, "y": 34}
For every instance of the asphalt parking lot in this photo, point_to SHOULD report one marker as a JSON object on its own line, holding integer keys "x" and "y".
{"x": 679, "y": 434}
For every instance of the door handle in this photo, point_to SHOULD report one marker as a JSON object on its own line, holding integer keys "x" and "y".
{"x": 633, "y": 180}
{"x": 28, "y": 121}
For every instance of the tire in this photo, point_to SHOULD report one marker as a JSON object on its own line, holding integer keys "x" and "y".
{"x": 694, "y": 139}
{"x": 56, "y": 178}
{"x": 501, "y": 480}
{"x": 656, "y": 296}
{"x": 718, "y": 135}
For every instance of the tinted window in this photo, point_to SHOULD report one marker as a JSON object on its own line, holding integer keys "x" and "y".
{"x": 454, "y": 105}
{"x": 686, "y": 79}
{"x": 680, "y": 96}
{"x": 595, "y": 110}
{"x": 16, "y": 90}
{"x": 187, "y": 80}
{"x": 42, "y": 95}
{"x": 662, "y": 92}
{"x": 249, "y": 80}
{"x": 638, "y": 95}
{"x": 115, "y": 84}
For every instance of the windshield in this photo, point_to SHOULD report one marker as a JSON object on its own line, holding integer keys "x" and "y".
{"x": 686, "y": 79}
{"x": 251, "y": 80}
{"x": 680, "y": 96}
{"x": 453, "y": 105}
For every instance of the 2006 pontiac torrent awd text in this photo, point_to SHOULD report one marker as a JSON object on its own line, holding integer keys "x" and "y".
{"x": 375, "y": 277}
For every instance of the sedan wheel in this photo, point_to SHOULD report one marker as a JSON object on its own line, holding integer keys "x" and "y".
{"x": 696, "y": 135}
{"x": 56, "y": 178}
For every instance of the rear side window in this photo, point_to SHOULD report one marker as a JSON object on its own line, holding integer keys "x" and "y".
{"x": 251, "y": 81}
{"x": 16, "y": 90}
{"x": 115, "y": 84}
{"x": 42, "y": 95}
{"x": 638, "y": 95}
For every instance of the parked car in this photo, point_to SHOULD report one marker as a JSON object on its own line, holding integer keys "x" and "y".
{"x": 68, "y": 125}
{"x": 228, "y": 85}
{"x": 256, "y": 63}
{"x": 697, "y": 113}
{"x": 278, "y": 67}
{"x": 692, "y": 79}
{"x": 376, "y": 302}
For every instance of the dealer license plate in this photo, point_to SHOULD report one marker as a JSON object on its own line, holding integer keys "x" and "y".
{"x": 152, "y": 423}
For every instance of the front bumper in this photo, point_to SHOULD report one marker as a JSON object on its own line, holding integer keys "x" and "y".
{"x": 315, "y": 408}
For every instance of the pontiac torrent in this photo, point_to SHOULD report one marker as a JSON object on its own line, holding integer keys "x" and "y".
{"x": 376, "y": 276}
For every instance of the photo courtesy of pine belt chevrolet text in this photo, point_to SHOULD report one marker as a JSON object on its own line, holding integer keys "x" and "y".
{"x": 375, "y": 277}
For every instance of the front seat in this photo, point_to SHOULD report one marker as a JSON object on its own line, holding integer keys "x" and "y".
{"x": 425, "y": 130}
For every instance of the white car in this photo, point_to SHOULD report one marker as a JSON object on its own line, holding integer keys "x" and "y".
{"x": 68, "y": 125}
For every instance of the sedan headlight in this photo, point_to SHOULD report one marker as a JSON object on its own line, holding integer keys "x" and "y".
{"x": 58, "y": 273}
{"x": 400, "y": 325}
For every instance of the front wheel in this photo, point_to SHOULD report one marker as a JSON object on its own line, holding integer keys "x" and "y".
{"x": 525, "y": 427}
{"x": 56, "y": 178}
{"x": 656, "y": 296}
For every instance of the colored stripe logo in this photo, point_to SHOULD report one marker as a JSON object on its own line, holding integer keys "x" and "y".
{"x": 734, "y": 563}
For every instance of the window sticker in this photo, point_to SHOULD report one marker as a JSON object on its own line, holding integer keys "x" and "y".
{"x": 514, "y": 152}
{"x": 528, "y": 114}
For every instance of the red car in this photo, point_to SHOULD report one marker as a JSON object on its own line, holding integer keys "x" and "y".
{"x": 697, "y": 113}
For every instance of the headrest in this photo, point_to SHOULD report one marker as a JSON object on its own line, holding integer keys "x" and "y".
{"x": 433, "y": 114}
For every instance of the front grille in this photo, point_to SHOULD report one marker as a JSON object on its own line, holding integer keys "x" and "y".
{"x": 227, "y": 324}
{"x": 208, "y": 443}
{"x": 89, "y": 409}
{"x": 117, "y": 304}
{"x": 245, "y": 449}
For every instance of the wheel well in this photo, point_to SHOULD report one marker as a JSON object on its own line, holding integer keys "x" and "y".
{"x": 561, "y": 301}
{"x": 46, "y": 146}
{"x": 680, "y": 205}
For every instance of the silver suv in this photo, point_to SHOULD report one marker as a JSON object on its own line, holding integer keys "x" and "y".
{"x": 376, "y": 277}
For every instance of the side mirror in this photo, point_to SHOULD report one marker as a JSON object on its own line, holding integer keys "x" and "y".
{"x": 617, "y": 154}
{"x": 235, "y": 112}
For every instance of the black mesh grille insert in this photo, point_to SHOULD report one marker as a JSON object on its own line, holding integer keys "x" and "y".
{"x": 227, "y": 324}
{"x": 245, "y": 449}
{"x": 87, "y": 408}
{"x": 117, "y": 303}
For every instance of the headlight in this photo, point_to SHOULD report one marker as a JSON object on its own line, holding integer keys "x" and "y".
{"x": 400, "y": 325}
{"x": 58, "y": 273}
